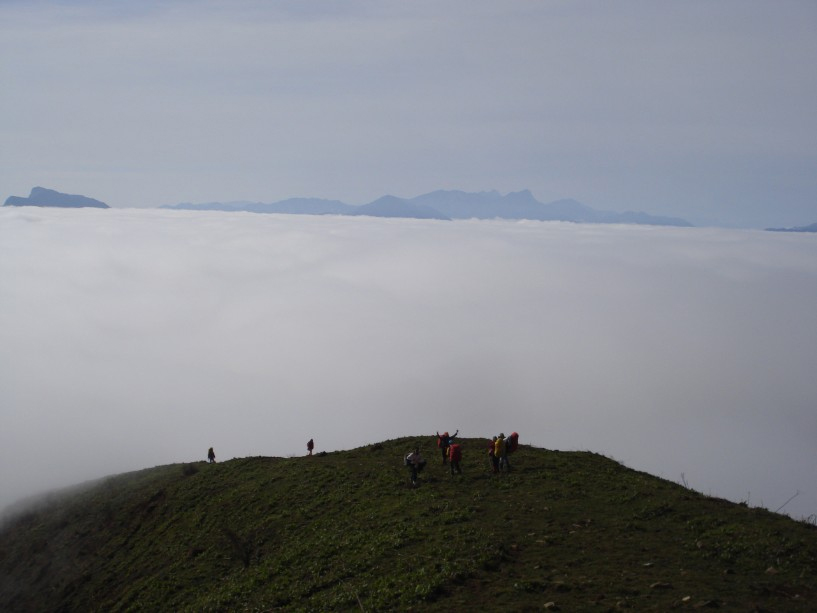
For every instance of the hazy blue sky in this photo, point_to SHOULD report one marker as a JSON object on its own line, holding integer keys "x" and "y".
{"x": 131, "y": 338}
{"x": 702, "y": 110}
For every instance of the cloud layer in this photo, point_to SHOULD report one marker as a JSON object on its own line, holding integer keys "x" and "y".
{"x": 132, "y": 338}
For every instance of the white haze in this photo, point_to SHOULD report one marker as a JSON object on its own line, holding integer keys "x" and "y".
{"x": 134, "y": 338}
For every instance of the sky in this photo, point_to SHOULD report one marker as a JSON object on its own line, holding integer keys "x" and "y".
{"x": 698, "y": 110}
{"x": 131, "y": 338}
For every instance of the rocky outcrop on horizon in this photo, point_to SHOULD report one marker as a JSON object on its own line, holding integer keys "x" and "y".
{"x": 41, "y": 196}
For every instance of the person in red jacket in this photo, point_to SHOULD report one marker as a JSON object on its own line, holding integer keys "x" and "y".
{"x": 455, "y": 455}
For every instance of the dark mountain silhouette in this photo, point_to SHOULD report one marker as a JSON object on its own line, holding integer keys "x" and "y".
{"x": 391, "y": 206}
{"x": 444, "y": 204}
{"x": 41, "y": 196}
{"x": 811, "y": 228}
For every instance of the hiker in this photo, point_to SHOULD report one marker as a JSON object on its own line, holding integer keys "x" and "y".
{"x": 415, "y": 463}
{"x": 443, "y": 441}
{"x": 500, "y": 450}
{"x": 511, "y": 445}
{"x": 492, "y": 455}
{"x": 211, "y": 456}
{"x": 455, "y": 455}
{"x": 310, "y": 445}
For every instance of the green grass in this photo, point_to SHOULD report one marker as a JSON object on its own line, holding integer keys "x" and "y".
{"x": 346, "y": 531}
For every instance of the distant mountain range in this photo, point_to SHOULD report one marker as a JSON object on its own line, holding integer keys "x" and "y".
{"x": 41, "y": 196}
{"x": 811, "y": 228}
{"x": 446, "y": 205}
{"x": 441, "y": 204}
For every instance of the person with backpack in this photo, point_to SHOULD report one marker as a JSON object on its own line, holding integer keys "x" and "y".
{"x": 501, "y": 451}
{"x": 455, "y": 455}
{"x": 310, "y": 445}
{"x": 513, "y": 442}
{"x": 492, "y": 456}
{"x": 443, "y": 441}
{"x": 415, "y": 463}
{"x": 211, "y": 456}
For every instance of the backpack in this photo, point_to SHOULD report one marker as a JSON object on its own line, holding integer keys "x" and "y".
{"x": 513, "y": 442}
{"x": 455, "y": 452}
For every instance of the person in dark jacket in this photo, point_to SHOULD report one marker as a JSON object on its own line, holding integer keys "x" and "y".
{"x": 444, "y": 441}
{"x": 211, "y": 456}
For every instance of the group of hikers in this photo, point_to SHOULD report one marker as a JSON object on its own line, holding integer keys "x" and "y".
{"x": 499, "y": 447}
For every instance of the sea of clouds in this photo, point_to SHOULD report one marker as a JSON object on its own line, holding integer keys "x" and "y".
{"x": 133, "y": 338}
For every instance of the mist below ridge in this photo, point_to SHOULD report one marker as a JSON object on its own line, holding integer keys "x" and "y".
{"x": 133, "y": 338}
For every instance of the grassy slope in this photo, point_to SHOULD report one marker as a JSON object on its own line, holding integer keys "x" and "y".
{"x": 346, "y": 531}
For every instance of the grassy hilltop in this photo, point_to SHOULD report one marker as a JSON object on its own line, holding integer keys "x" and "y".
{"x": 570, "y": 531}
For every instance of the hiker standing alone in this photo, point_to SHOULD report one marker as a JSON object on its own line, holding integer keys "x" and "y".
{"x": 211, "y": 456}
{"x": 310, "y": 445}
{"x": 415, "y": 463}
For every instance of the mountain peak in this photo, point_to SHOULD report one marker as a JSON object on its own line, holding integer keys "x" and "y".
{"x": 392, "y": 206}
{"x": 523, "y": 193}
{"x": 41, "y": 196}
